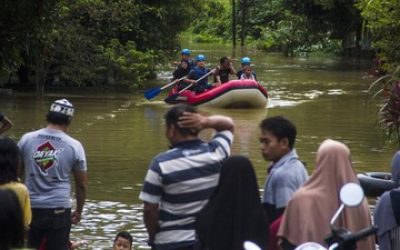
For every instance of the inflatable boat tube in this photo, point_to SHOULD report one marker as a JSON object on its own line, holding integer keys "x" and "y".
{"x": 376, "y": 183}
{"x": 233, "y": 94}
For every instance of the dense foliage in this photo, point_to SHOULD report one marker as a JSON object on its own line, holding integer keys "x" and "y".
{"x": 88, "y": 41}
{"x": 382, "y": 18}
{"x": 388, "y": 86}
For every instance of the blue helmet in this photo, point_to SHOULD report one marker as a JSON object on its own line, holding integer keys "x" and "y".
{"x": 200, "y": 57}
{"x": 185, "y": 52}
{"x": 245, "y": 60}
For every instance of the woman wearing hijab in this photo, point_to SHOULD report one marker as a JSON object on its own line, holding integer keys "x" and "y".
{"x": 182, "y": 70}
{"x": 307, "y": 216}
{"x": 234, "y": 213}
{"x": 387, "y": 212}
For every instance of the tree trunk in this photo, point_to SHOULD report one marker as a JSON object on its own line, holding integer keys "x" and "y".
{"x": 244, "y": 22}
{"x": 40, "y": 69}
{"x": 234, "y": 23}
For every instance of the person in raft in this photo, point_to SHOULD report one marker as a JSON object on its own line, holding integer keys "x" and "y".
{"x": 199, "y": 71}
{"x": 248, "y": 74}
{"x": 245, "y": 61}
{"x": 182, "y": 71}
{"x": 185, "y": 55}
{"x": 223, "y": 71}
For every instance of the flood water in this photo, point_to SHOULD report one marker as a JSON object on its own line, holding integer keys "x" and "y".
{"x": 325, "y": 98}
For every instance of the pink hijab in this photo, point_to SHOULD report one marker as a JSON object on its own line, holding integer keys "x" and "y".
{"x": 308, "y": 214}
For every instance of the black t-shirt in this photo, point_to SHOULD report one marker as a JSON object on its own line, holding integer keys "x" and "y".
{"x": 223, "y": 74}
{"x": 1, "y": 116}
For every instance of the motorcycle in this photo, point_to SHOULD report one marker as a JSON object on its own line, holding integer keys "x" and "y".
{"x": 351, "y": 195}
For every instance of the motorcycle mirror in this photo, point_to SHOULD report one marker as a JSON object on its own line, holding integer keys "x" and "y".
{"x": 248, "y": 245}
{"x": 351, "y": 194}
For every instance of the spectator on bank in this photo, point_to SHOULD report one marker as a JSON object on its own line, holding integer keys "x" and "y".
{"x": 5, "y": 123}
{"x": 234, "y": 213}
{"x": 307, "y": 216}
{"x": 9, "y": 171}
{"x": 286, "y": 173}
{"x": 11, "y": 221}
{"x": 180, "y": 181}
{"x": 51, "y": 157}
{"x": 386, "y": 212}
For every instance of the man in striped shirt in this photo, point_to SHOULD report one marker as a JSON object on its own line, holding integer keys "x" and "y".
{"x": 180, "y": 181}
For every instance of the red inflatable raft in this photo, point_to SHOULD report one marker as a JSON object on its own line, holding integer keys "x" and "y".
{"x": 233, "y": 94}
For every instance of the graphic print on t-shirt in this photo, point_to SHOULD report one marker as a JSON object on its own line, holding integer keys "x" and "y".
{"x": 45, "y": 156}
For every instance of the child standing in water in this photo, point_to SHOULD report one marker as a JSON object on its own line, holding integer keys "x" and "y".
{"x": 123, "y": 241}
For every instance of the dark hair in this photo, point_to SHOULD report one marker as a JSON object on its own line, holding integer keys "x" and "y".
{"x": 11, "y": 221}
{"x": 172, "y": 118}
{"x": 125, "y": 235}
{"x": 223, "y": 60}
{"x": 281, "y": 127}
{"x": 57, "y": 118}
{"x": 9, "y": 160}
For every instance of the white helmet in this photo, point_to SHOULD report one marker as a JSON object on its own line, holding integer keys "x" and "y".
{"x": 62, "y": 106}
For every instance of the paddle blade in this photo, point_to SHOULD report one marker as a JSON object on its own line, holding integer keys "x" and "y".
{"x": 151, "y": 93}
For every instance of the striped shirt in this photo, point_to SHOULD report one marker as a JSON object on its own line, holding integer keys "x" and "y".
{"x": 181, "y": 181}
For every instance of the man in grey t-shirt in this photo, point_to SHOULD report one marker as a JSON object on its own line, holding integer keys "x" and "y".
{"x": 286, "y": 173}
{"x": 50, "y": 157}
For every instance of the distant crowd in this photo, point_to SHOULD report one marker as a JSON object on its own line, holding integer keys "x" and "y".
{"x": 196, "y": 195}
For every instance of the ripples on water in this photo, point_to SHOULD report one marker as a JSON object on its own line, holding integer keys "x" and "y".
{"x": 102, "y": 220}
{"x": 121, "y": 135}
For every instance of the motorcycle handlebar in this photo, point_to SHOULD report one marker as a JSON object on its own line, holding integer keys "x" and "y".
{"x": 362, "y": 233}
{"x": 353, "y": 238}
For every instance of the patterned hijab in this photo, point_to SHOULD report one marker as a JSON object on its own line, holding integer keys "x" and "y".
{"x": 307, "y": 216}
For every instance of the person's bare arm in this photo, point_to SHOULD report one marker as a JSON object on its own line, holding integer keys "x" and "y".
{"x": 233, "y": 70}
{"x": 6, "y": 124}
{"x": 150, "y": 218}
{"x": 199, "y": 122}
{"x": 81, "y": 182}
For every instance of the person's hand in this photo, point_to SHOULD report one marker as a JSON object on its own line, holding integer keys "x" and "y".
{"x": 75, "y": 217}
{"x": 216, "y": 84}
{"x": 191, "y": 120}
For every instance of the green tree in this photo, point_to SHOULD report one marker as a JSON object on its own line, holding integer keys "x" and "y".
{"x": 90, "y": 41}
{"x": 383, "y": 20}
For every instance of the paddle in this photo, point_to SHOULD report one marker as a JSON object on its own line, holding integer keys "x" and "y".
{"x": 151, "y": 93}
{"x": 171, "y": 98}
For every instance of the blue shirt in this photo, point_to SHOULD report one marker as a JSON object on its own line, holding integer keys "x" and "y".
{"x": 181, "y": 181}
{"x": 285, "y": 177}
